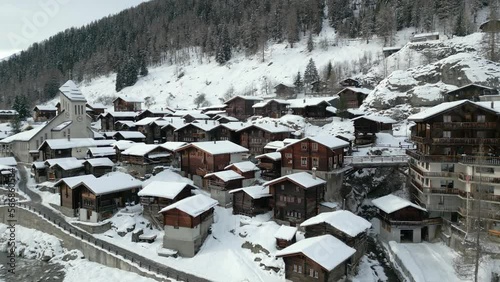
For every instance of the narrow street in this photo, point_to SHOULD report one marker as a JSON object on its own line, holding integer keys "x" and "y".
{"x": 49, "y": 214}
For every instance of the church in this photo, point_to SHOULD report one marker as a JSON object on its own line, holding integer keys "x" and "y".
{"x": 71, "y": 121}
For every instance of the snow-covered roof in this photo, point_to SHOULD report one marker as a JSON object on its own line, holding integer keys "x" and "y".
{"x": 245, "y": 166}
{"x": 109, "y": 134}
{"x": 331, "y": 109}
{"x": 131, "y": 134}
{"x": 172, "y": 146}
{"x": 38, "y": 165}
{"x": 8, "y": 161}
{"x": 214, "y": 112}
{"x": 356, "y": 112}
{"x": 72, "y": 92}
{"x": 264, "y": 103}
{"x": 62, "y": 125}
{"x": 45, "y": 108}
{"x": 213, "y": 107}
{"x": 342, "y": 220}
{"x": 66, "y": 163}
{"x": 443, "y": 107}
{"x": 470, "y": 85}
{"x": 391, "y": 48}
{"x": 425, "y": 34}
{"x": 274, "y": 127}
{"x": 391, "y": 203}
{"x": 100, "y": 162}
{"x": 365, "y": 91}
{"x": 98, "y": 106}
{"x": 256, "y": 192}
{"x": 23, "y": 136}
{"x": 102, "y": 151}
{"x": 58, "y": 144}
{"x": 303, "y": 179}
{"x": 217, "y": 147}
{"x": 225, "y": 175}
{"x": 374, "y": 118}
{"x": 8, "y": 112}
{"x": 146, "y": 121}
{"x": 229, "y": 118}
{"x": 196, "y": 115}
{"x": 274, "y": 145}
{"x": 129, "y": 99}
{"x": 306, "y": 102}
{"x": 162, "y": 189}
{"x": 174, "y": 122}
{"x": 327, "y": 140}
{"x": 233, "y": 126}
{"x": 111, "y": 183}
{"x": 72, "y": 182}
{"x": 205, "y": 125}
{"x": 325, "y": 250}
{"x": 275, "y": 156}
{"x": 128, "y": 123}
{"x": 140, "y": 149}
{"x": 251, "y": 98}
{"x": 194, "y": 205}
{"x": 285, "y": 233}
{"x": 120, "y": 114}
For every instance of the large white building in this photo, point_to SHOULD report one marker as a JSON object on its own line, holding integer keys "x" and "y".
{"x": 71, "y": 122}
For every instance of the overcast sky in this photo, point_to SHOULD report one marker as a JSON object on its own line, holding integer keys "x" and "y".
{"x": 23, "y": 22}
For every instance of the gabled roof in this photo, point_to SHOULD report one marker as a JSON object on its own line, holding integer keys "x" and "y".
{"x": 146, "y": 121}
{"x": 275, "y": 156}
{"x": 99, "y": 162}
{"x": 245, "y": 166}
{"x": 216, "y": 147}
{"x": 364, "y": 91}
{"x": 131, "y": 134}
{"x": 342, "y": 220}
{"x": 62, "y": 125}
{"x": 23, "y": 136}
{"x": 111, "y": 183}
{"x": 60, "y": 144}
{"x": 391, "y": 203}
{"x": 328, "y": 141}
{"x": 269, "y": 127}
{"x": 250, "y": 98}
{"x": 380, "y": 119}
{"x": 470, "y": 85}
{"x": 102, "y": 151}
{"x": 38, "y": 165}
{"x": 8, "y": 161}
{"x": 128, "y": 123}
{"x": 128, "y": 99}
{"x": 124, "y": 144}
{"x": 175, "y": 122}
{"x": 119, "y": 114}
{"x": 444, "y": 107}
{"x": 307, "y": 102}
{"x": 205, "y": 125}
{"x": 256, "y": 192}
{"x": 97, "y": 106}
{"x": 45, "y": 108}
{"x": 196, "y": 115}
{"x": 303, "y": 179}
{"x": 225, "y": 175}
{"x": 72, "y": 182}
{"x": 325, "y": 250}
{"x": 285, "y": 232}
{"x": 72, "y": 92}
{"x": 172, "y": 146}
{"x": 194, "y": 205}
{"x": 233, "y": 126}
{"x": 229, "y": 118}
{"x": 264, "y": 103}
{"x": 163, "y": 189}
{"x": 140, "y": 149}
{"x": 65, "y": 163}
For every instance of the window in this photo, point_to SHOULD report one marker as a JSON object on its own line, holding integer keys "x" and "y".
{"x": 303, "y": 161}
{"x": 294, "y": 268}
{"x": 481, "y": 118}
{"x": 314, "y": 147}
{"x": 300, "y": 268}
{"x": 315, "y": 162}
{"x": 446, "y": 134}
{"x": 303, "y": 146}
{"x": 446, "y": 118}
{"x": 311, "y": 272}
{"x": 299, "y": 200}
{"x": 481, "y": 134}
{"x": 448, "y": 167}
{"x": 288, "y": 155}
{"x": 297, "y": 188}
{"x": 485, "y": 170}
{"x": 316, "y": 274}
{"x": 282, "y": 187}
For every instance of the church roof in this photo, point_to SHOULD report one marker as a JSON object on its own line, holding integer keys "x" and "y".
{"x": 72, "y": 92}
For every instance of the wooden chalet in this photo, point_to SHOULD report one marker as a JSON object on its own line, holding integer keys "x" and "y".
{"x": 492, "y": 26}
{"x": 366, "y": 127}
{"x": 125, "y": 125}
{"x": 70, "y": 193}
{"x": 187, "y": 224}
{"x": 343, "y": 225}
{"x": 200, "y": 158}
{"x": 256, "y": 136}
{"x": 197, "y": 131}
{"x": 322, "y": 258}
{"x": 134, "y": 136}
{"x": 350, "y": 82}
{"x": 285, "y": 236}
{"x": 320, "y": 87}
{"x": 157, "y": 195}
{"x": 284, "y": 91}
{"x": 143, "y": 126}
{"x": 142, "y": 158}
{"x": 127, "y": 104}
{"x": 296, "y": 197}
{"x": 401, "y": 220}
{"x": 195, "y": 116}
{"x": 240, "y": 107}
{"x": 151, "y": 113}
{"x": 273, "y": 108}
{"x": 98, "y": 167}
{"x": 251, "y": 200}
{"x": 40, "y": 171}
{"x": 353, "y": 97}
{"x": 44, "y": 113}
{"x": 220, "y": 183}
{"x": 312, "y": 107}
{"x": 219, "y": 107}
{"x": 247, "y": 169}
{"x": 95, "y": 110}
{"x": 421, "y": 37}
{"x": 65, "y": 148}
{"x": 102, "y": 152}
{"x": 109, "y": 119}
{"x": 224, "y": 118}
{"x": 270, "y": 165}
{"x": 64, "y": 167}
{"x": 168, "y": 131}
{"x": 471, "y": 92}
{"x": 8, "y": 115}
{"x": 387, "y": 51}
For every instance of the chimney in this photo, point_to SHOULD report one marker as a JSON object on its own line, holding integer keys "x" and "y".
{"x": 492, "y": 104}
{"x": 275, "y": 124}
{"x": 215, "y": 141}
{"x": 314, "y": 173}
{"x": 69, "y": 137}
{"x": 206, "y": 121}
{"x": 304, "y": 101}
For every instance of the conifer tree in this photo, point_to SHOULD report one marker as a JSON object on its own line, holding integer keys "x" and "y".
{"x": 310, "y": 43}
{"x": 21, "y": 105}
{"x": 298, "y": 82}
{"x": 311, "y": 73}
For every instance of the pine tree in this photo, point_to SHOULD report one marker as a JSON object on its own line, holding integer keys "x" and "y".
{"x": 329, "y": 70}
{"x": 15, "y": 124}
{"x": 342, "y": 108}
{"x": 143, "y": 71}
{"x": 311, "y": 73}
{"x": 21, "y": 105}
{"x": 51, "y": 88}
{"x": 223, "y": 50}
{"x": 461, "y": 24}
{"x": 310, "y": 43}
{"x": 127, "y": 74}
{"x": 298, "y": 82}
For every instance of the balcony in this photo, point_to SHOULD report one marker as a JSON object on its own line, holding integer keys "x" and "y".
{"x": 466, "y": 141}
{"x": 266, "y": 166}
{"x": 465, "y": 159}
{"x": 433, "y": 173}
{"x": 477, "y": 179}
{"x": 485, "y": 214}
{"x": 419, "y": 139}
{"x": 464, "y": 125}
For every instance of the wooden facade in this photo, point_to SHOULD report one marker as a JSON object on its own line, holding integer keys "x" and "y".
{"x": 470, "y": 92}
{"x": 153, "y": 205}
{"x": 300, "y": 268}
{"x": 105, "y": 205}
{"x": 283, "y": 91}
{"x": 8, "y": 115}
{"x": 97, "y": 170}
{"x": 273, "y": 109}
{"x": 178, "y": 218}
{"x": 306, "y": 154}
{"x": 56, "y": 172}
{"x": 193, "y": 133}
{"x": 241, "y": 107}
{"x": 108, "y": 120}
{"x": 126, "y": 105}
{"x": 44, "y": 113}
{"x": 223, "y": 132}
{"x": 168, "y": 133}
{"x": 198, "y": 162}
{"x": 70, "y": 198}
{"x": 255, "y": 138}
{"x": 312, "y": 111}
{"x": 270, "y": 168}
{"x": 246, "y": 205}
{"x": 217, "y": 183}
{"x": 349, "y": 82}
{"x": 159, "y": 155}
{"x": 352, "y": 97}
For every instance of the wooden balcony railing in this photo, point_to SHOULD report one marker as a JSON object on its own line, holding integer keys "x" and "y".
{"x": 464, "y": 125}
{"x": 419, "y": 139}
{"x": 466, "y": 141}
{"x": 268, "y": 166}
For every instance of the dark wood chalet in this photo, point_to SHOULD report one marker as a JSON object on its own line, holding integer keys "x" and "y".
{"x": 353, "y": 97}
{"x": 98, "y": 167}
{"x": 190, "y": 117}
{"x": 471, "y": 92}
{"x": 8, "y": 115}
{"x": 125, "y": 125}
{"x": 102, "y": 152}
{"x": 220, "y": 183}
{"x": 127, "y": 104}
{"x": 168, "y": 130}
{"x": 187, "y": 224}
{"x": 343, "y": 225}
{"x": 296, "y": 197}
{"x": 40, "y": 171}
{"x": 349, "y": 82}
{"x": 251, "y": 200}
{"x": 109, "y": 119}
{"x": 270, "y": 165}
{"x": 321, "y": 88}
{"x": 490, "y": 26}
{"x": 247, "y": 169}
{"x": 240, "y": 107}
{"x": 95, "y": 110}
{"x": 256, "y": 136}
{"x": 150, "y": 113}
{"x": 64, "y": 167}
{"x": 315, "y": 107}
{"x": 273, "y": 108}
{"x": 224, "y": 118}
{"x": 324, "y": 153}
{"x": 44, "y": 113}
{"x": 365, "y": 128}
{"x": 134, "y": 136}
{"x": 227, "y": 131}
{"x": 284, "y": 91}
{"x": 285, "y": 236}
{"x": 70, "y": 193}
{"x": 157, "y": 195}
{"x": 143, "y": 158}
{"x": 200, "y": 130}
{"x": 302, "y": 262}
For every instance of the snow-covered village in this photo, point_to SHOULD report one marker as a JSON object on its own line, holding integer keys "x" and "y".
{"x": 301, "y": 140}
